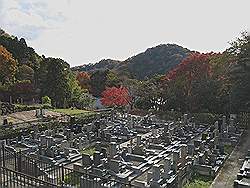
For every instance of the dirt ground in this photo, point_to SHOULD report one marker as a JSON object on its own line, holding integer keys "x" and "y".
{"x": 228, "y": 173}
{"x": 25, "y": 118}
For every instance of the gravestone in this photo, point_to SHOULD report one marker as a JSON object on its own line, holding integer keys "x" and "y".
{"x": 156, "y": 172}
{"x": 86, "y": 160}
{"x": 97, "y": 158}
{"x": 98, "y": 146}
{"x": 185, "y": 119}
{"x": 112, "y": 150}
{"x": 114, "y": 165}
{"x": 167, "y": 167}
{"x": 138, "y": 140}
{"x": 176, "y": 156}
{"x": 190, "y": 149}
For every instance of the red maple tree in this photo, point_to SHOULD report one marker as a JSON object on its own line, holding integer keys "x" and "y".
{"x": 113, "y": 96}
{"x": 194, "y": 66}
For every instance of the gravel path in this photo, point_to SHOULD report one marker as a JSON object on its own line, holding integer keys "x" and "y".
{"x": 228, "y": 173}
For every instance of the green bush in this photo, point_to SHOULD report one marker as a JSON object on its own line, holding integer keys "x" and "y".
{"x": 46, "y": 100}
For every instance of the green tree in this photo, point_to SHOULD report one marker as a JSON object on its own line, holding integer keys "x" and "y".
{"x": 112, "y": 79}
{"x": 57, "y": 82}
{"x": 98, "y": 82}
{"x": 240, "y": 73}
{"x": 24, "y": 72}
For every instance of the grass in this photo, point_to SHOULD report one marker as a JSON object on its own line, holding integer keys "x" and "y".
{"x": 228, "y": 149}
{"x": 72, "y": 178}
{"x": 199, "y": 181}
{"x": 71, "y": 112}
{"x": 24, "y": 107}
{"x": 90, "y": 151}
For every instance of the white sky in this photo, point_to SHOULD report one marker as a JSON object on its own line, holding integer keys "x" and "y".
{"x": 84, "y": 31}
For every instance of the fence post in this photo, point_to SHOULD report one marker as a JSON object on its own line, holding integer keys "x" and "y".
{"x": 36, "y": 169}
{"x": 19, "y": 161}
{"x": 15, "y": 156}
{"x": 3, "y": 153}
{"x": 62, "y": 175}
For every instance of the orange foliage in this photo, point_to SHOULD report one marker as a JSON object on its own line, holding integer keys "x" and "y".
{"x": 83, "y": 79}
{"x": 8, "y": 65}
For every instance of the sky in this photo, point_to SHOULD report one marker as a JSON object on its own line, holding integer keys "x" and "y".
{"x": 86, "y": 31}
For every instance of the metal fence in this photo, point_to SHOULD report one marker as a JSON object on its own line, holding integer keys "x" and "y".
{"x": 14, "y": 179}
{"x": 20, "y": 170}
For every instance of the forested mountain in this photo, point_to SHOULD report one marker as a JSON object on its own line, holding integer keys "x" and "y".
{"x": 101, "y": 65}
{"x": 156, "y": 60}
{"x": 19, "y": 49}
{"x": 164, "y": 77}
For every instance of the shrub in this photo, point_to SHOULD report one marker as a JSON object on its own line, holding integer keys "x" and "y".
{"x": 46, "y": 100}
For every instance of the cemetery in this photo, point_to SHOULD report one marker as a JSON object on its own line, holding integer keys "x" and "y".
{"x": 109, "y": 94}
{"x": 243, "y": 177}
{"x": 139, "y": 151}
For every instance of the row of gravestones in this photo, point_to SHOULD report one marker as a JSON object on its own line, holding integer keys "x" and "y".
{"x": 6, "y": 108}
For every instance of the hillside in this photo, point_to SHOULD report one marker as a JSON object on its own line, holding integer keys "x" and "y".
{"x": 156, "y": 60}
{"x": 101, "y": 65}
{"x": 20, "y": 50}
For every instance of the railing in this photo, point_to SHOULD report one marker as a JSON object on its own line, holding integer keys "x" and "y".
{"x": 19, "y": 169}
{"x": 14, "y": 179}
{"x": 79, "y": 179}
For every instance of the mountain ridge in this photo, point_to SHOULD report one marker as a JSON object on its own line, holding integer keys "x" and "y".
{"x": 154, "y": 60}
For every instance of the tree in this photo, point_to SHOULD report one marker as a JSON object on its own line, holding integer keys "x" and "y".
{"x": 85, "y": 101}
{"x": 112, "y": 79}
{"x": 240, "y": 73}
{"x": 8, "y": 66}
{"x": 23, "y": 87}
{"x": 98, "y": 82}
{"x": 221, "y": 83}
{"x": 77, "y": 93}
{"x": 190, "y": 81}
{"x": 57, "y": 81}
{"x": 113, "y": 96}
{"x": 24, "y": 72}
{"x": 84, "y": 80}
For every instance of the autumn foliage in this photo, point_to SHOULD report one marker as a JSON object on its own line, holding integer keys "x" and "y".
{"x": 195, "y": 67}
{"x": 8, "y": 65}
{"x": 84, "y": 80}
{"x": 113, "y": 96}
{"x": 192, "y": 67}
